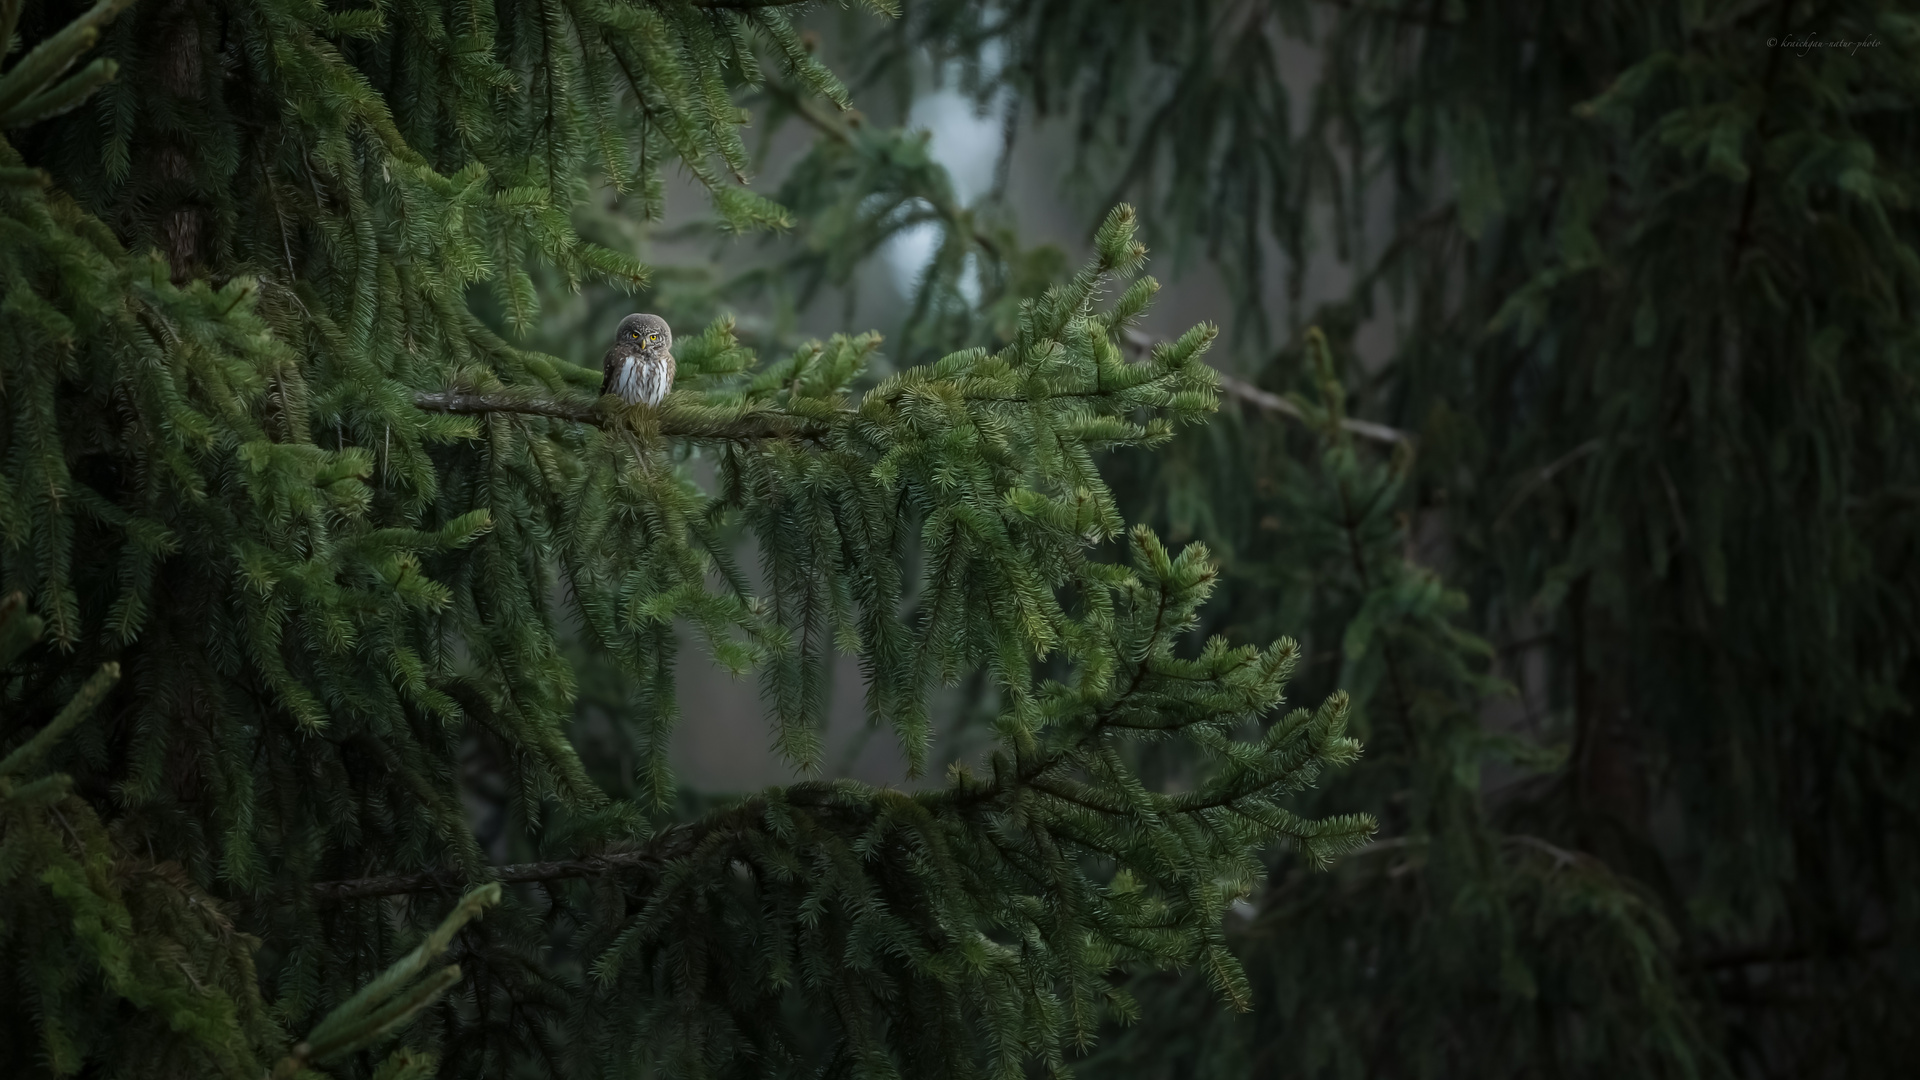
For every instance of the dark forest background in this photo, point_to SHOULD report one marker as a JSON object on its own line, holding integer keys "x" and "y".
{"x": 833, "y": 720}
{"x": 1616, "y": 552}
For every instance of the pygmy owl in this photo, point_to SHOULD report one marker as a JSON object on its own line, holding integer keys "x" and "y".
{"x": 639, "y": 367}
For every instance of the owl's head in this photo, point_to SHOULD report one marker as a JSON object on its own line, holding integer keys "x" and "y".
{"x": 644, "y": 331}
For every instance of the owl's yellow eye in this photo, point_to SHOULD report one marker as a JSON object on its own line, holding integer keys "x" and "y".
{"x": 633, "y": 333}
{"x": 651, "y": 338}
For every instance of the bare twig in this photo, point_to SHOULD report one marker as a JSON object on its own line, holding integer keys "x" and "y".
{"x": 1545, "y": 473}
{"x": 1271, "y": 402}
{"x": 747, "y": 5}
{"x": 1561, "y": 856}
{"x": 1392, "y": 843}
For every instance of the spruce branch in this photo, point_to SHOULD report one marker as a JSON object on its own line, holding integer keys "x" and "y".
{"x": 394, "y": 998}
{"x": 756, "y": 425}
{"x": 27, "y": 92}
{"x": 1071, "y": 762}
{"x": 668, "y": 845}
{"x": 28, "y": 754}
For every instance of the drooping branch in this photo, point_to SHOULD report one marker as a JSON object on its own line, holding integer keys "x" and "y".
{"x": 839, "y": 128}
{"x": 967, "y": 796}
{"x": 752, "y": 426}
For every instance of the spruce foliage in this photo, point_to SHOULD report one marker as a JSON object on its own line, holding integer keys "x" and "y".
{"x": 1651, "y": 272}
{"x": 126, "y": 964}
{"x": 266, "y": 465}
{"x": 1465, "y": 942}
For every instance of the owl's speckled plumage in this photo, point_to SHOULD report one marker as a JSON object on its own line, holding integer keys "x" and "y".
{"x": 639, "y": 367}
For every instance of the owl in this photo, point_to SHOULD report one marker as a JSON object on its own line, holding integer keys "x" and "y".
{"x": 639, "y": 367}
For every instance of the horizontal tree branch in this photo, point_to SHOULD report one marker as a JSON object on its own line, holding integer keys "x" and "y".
{"x": 586, "y": 411}
{"x": 579, "y": 410}
{"x": 652, "y": 856}
{"x": 664, "y": 848}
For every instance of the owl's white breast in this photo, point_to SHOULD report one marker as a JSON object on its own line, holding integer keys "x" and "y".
{"x": 640, "y": 379}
